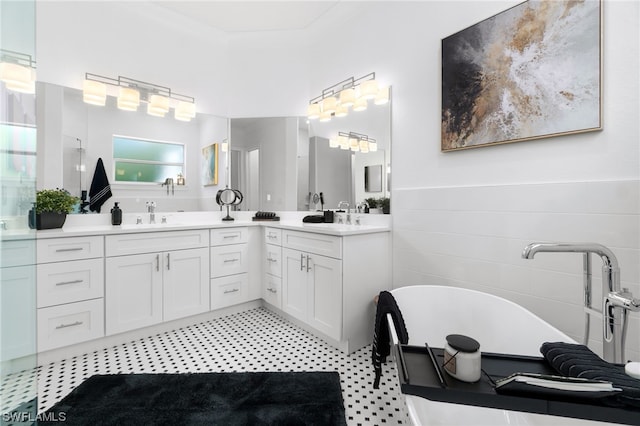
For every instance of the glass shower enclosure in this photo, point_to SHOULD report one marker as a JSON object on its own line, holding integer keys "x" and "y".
{"x": 18, "y": 386}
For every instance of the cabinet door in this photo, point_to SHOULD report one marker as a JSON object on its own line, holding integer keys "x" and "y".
{"x": 133, "y": 292}
{"x": 294, "y": 283}
{"x": 325, "y": 295}
{"x": 17, "y": 312}
{"x": 185, "y": 283}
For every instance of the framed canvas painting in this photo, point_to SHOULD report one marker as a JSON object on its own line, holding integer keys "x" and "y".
{"x": 210, "y": 165}
{"x": 533, "y": 71}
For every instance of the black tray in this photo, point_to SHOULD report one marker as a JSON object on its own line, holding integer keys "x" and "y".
{"x": 423, "y": 381}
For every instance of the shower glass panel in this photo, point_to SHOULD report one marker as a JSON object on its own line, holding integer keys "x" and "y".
{"x": 18, "y": 380}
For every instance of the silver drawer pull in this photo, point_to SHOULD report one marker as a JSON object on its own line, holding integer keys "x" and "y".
{"x": 70, "y": 282}
{"x": 70, "y": 249}
{"x": 231, "y": 260}
{"x": 272, "y": 290}
{"x": 69, "y": 325}
{"x": 271, "y": 236}
{"x": 230, "y": 236}
{"x": 231, "y": 291}
{"x": 270, "y": 259}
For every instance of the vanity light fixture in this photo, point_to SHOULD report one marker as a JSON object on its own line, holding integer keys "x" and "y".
{"x": 159, "y": 99}
{"x": 17, "y": 71}
{"x": 336, "y": 100}
{"x": 356, "y": 142}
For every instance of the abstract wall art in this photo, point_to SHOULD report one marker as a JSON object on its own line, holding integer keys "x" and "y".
{"x": 210, "y": 165}
{"x": 533, "y": 71}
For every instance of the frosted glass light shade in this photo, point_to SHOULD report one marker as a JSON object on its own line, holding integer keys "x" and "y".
{"x": 360, "y": 105}
{"x": 313, "y": 111}
{"x": 343, "y": 141}
{"x": 325, "y": 117}
{"x": 333, "y": 143}
{"x": 364, "y": 146}
{"x": 341, "y": 110}
{"x": 128, "y": 99}
{"x": 158, "y": 105}
{"x": 225, "y": 146}
{"x": 329, "y": 104}
{"x": 354, "y": 144}
{"x": 347, "y": 97}
{"x": 94, "y": 92}
{"x": 185, "y": 111}
{"x": 373, "y": 146}
{"x": 382, "y": 97}
{"x": 17, "y": 77}
{"x": 368, "y": 89}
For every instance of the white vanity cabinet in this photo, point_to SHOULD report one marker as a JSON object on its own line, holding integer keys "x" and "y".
{"x": 230, "y": 262}
{"x": 329, "y": 282}
{"x": 70, "y": 290}
{"x": 155, "y": 277}
{"x": 272, "y": 267}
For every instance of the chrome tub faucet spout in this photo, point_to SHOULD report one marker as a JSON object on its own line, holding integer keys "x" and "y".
{"x": 616, "y": 302}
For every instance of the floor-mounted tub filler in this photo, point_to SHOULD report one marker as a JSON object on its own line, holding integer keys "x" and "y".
{"x": 501, "y": 326}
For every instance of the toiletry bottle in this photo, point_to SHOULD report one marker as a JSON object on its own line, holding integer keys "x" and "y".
{"x": 116, "y": 215}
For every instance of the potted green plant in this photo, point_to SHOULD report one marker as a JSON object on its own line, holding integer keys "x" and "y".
{"x": 372, "y": 203}
{"x": 385, "y": 204}
{"x": 51, "y": 208}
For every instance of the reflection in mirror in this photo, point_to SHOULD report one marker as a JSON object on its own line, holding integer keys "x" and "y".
{"x": 285, "y": 163}
{"x": 82, "y": 133}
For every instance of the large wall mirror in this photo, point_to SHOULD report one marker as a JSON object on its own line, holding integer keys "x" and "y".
{"x": 284, "y": 163}
{"x": 75, "y": 135}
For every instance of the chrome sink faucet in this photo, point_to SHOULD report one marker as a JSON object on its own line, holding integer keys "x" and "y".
{"x": 151, "y": 208}
{"x": 344, "y": 203}
{"x": 616, "y": 301}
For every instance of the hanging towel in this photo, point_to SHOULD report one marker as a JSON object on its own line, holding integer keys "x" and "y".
{"x": 381, "y": 339}
{"x": 100, "y": 190}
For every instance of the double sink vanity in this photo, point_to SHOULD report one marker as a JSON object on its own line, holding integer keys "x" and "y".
{"x": 100, "y": 284}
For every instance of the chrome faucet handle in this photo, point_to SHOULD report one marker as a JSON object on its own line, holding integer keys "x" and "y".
{"x": 624, "y": 299}
{"x": 357, "y": 220}
{"x": 164, "y": 219}
{"x": 138, "y": 220}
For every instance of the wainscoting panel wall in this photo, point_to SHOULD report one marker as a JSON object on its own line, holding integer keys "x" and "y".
{"x": 473, "y": 237}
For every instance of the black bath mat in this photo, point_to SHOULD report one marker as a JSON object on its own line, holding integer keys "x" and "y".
{"x": 309, "y": 398}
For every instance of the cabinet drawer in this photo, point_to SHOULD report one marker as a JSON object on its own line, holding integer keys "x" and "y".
{"x": 228, "y": 291}
{"x": 149, "y": 242}
{"x": 326, "y": 245}
{"x": 273, "y": 236}
{"x": 66, "y": 282}
{"x": 76, "y": 248}
{"x": 224, "y": 236}
{"x": 71, "y": 323}
{"x": 273, "y": 260}
{"x": 229, "y": 260}
{"x": 18, "y": 253}
{"x": 272, "y": 290}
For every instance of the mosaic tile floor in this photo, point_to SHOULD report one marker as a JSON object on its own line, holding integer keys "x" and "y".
{"x": 254, "y": 340}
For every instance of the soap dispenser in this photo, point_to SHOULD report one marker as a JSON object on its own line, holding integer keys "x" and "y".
{"x": 116, "y": 215}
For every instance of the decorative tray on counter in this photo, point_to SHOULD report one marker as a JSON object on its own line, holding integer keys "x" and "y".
{"x": 420, "y": 376}
{"x": 265, "y": 216}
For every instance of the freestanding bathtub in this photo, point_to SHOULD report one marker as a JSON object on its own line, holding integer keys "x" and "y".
{"x": 501, "y": 326}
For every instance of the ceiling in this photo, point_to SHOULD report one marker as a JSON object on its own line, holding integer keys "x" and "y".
{"x": 250, "y": 16}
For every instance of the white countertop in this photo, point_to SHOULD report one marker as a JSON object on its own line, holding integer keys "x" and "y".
{"x": 80, "y": 226}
